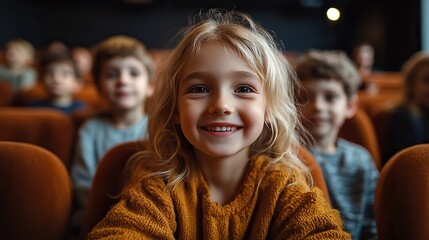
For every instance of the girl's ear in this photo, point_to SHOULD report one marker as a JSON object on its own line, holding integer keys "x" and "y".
{"x": 352, "y": 106}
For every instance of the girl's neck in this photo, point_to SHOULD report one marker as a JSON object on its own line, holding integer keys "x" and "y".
{"x": 224, "y": 176}
{"x": 62, "y": 101}
{"x": 125, "y": 118}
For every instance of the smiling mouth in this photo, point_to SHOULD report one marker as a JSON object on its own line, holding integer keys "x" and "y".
{"x": 221, "y": 129}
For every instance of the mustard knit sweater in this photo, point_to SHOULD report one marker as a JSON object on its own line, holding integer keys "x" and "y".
{"x": 269, "y": 210}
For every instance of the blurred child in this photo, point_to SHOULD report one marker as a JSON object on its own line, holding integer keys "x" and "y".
{"x": 363, "y": 58}
{"x": 83, "y": 59}
{"x": 122, "y": 72}
{"x": 221, "y": 161}
{"x": 57, "y": 47}
{"x": 18, "y": 71}
{"x": 61, "y": 80}
{"x": 409, "y": 122}
{"x": 329, "y": 82}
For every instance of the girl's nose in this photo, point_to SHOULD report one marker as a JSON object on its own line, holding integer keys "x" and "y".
{"x": 221, "y": 105}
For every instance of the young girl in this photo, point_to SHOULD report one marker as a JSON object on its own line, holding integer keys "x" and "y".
{"x": 221, "y": 161}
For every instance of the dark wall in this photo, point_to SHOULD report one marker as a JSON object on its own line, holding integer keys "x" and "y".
{"x": 84, "y": 23}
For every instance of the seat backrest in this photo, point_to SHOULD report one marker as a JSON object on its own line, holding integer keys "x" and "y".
{"x": 35, "y": 192}
{"x": 47, "y": 128}
{"x": 7, "y": 94}
{"x": 360, "y": 130}
{"x": 402, "y": 195}
{"x": 380, "y": 116}
{"x": 315, "y": 170}
{"x": 108, "y": 181}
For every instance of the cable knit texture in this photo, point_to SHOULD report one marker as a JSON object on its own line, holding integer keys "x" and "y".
{"x": 266, "y": 207}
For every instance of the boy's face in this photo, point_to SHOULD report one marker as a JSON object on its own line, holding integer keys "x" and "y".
{"x": 60, "y": 80}
{"x": 124, "y": 82}
{"x": 325, "y": 107}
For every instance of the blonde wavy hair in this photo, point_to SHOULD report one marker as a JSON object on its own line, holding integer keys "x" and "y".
{"x": 168, "y": 154}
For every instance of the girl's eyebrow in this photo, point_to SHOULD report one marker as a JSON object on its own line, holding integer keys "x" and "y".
{"x": 237, "y": 74}
{"x": 194, "y": 75}
{"x": 246, "y": 75}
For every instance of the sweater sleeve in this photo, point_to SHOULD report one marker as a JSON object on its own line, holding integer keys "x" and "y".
{"x": 302, "y": 214}
{"x": 142, "y": 213}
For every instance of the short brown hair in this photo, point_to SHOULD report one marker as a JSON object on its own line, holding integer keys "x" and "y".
{"x": 329, "y": 65}
{"x": 121, "y": 46}
{"x": 54, "y": 58}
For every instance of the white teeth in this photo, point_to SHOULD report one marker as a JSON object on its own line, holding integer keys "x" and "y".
{"x": 222, "y": 129}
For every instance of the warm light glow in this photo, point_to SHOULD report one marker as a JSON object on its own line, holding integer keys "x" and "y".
{"x": 333, "y": 14}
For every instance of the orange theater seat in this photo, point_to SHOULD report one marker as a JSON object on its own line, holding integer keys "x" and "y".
{"x": 47, "y": 128}
{"x": 360, "y": 130}
{"x": 35, "y": 192}
{"x": 316, "y": 171}
{"x": 402, "y": 195}
{"x": 6, "y": 94}
{"x": 108, "y": 181}
{"x": 380, "y": 115}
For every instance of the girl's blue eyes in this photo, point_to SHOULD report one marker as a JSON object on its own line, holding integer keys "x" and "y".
{"x": 198, "y": 89}
{"x": 244, "y": 89}
{"x": 202, "y": 89}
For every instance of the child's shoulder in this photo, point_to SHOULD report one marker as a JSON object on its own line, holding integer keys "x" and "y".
{"x": 354, "y": 153}
{"x": 345, "y": 145}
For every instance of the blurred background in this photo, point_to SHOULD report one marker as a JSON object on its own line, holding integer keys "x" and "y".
{"x": 394, "y": 28}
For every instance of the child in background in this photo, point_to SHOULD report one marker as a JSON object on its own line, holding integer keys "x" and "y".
{"x": 363, "y": 58}
{"x": 61, "y": 80}
{"x": 122, "y": 72}
{"x": 221, "y": 162}
{"x": 83, "y": 59}
{"x": 327, "y": 94}
{"x": 17, "y": 71}
{"x": 409, "y": 122}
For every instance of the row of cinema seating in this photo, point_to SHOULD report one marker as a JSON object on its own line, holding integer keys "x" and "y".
{"x": 56, "y": 131}
{"x": 36, "y": 191}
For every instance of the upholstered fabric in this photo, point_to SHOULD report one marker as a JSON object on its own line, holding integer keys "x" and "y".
{"x": 35, "y": 192}
{"x": 402, "y": 195}
{"x": 360, "y": 130}
{"x": 316, "y": 171}
{"x": 47, "y": 128}
{"x": 6, "y": 94}
{"x": 108, "y": 181}
{"x": 380, "y": 114}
